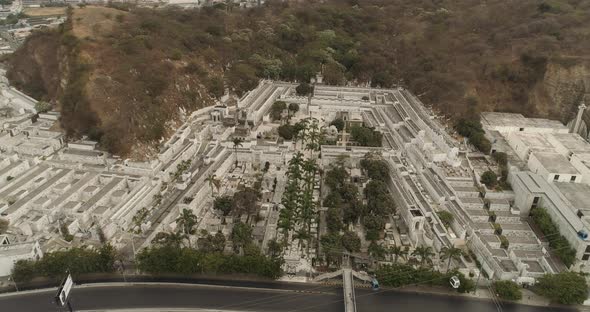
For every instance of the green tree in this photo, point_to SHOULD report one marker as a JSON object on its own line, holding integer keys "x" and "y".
{"x": 366, "y": 136}
{"x": 237, "y": 143}
{"x": 275, "y": 248}
{"x": 169, "y": 239}
{"x": 375, "y": 167}
{"x": 558, "y": 243}
{"x": 445, "y": 217}
{"x": 451, "y": 253}
{"x": 565, "y": 287}
{"x": 214, "y": 182}
{"x": 373, "y": 225}
{"x": 334, "y": 220}
{"x": 187, "y": 221}
{"x": 338, "y": 123}
{"x": 489, "y": 178}
{"x": 241, "y": 235}
{"x": 293, "y": 109}
{"x": 223, "y": 204}
{"x": 245, "y": 201}
{"x": 277, "y": 109}
{"x": 303, "y": 89}
{"x": 351, "y": 242}
{"x": 397, "y": 251}
{"x": 424, "y": 253}
{"x": 76, "y": 260}
{"x": 507, "y": 290}
{"x": 286, "y": 131}
{"x": 42, "y": 107}
{"x": 332, "y": 247}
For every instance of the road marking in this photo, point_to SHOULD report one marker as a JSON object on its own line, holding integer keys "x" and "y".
{"x": 132, "y": 284}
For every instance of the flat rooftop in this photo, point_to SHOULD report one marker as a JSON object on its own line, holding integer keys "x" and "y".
{"x": 494, "y": 119}
{"x": 16, "y": 249}
{"x": 524, "y": 240}
{"x": 555, "y": 163}
{"x": 578, "y": 194}
{"x": 573, "y": 142}
{"x": 533, "y": 140}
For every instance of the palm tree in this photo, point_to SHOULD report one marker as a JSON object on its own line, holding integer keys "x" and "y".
{"x": 187, "y": 221}
{"x": 397, "y": 251}
{"x": 451, "y": 253}
{"x": 170, "y": 239}
{"x": 237, "y": 143}
{"x": 424, "y": 253}
{"x": 213, "y": 182}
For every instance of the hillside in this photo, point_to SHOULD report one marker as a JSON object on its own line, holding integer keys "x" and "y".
{"x": 124, "y": 75}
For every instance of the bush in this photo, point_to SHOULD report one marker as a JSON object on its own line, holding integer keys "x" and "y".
{"x": 42, "y": 107}
{"x": 445, "y": 217}
{"x": 489, "y": 178}
{"x": 223, "y": 204}
{"x": 472, "y": 129}
{"x": 561, "y": 247}
{"x": 507, "y": 290}
{"x": 286, "y": 132}
{"x": 366, "y": 136}
{"x": 351, "y": 242}
{"x": 76, "y": 260}
{"x": 172, "y": 259}
{"x": 376, "y": 168}
{"x": 565, "y": 287}
{"x": 303, "y": 89}
{"x": 398, "y": 275}
{"x": 504, "y": 243}
{"x": 338, "y": 123}
{"x": 276, "y": 110}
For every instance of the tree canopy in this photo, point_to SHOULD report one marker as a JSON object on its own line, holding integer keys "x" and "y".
{"x": 366, "y": 136}
{"x": 489, "y": 178}
{"x": 75, "y": 260}
{"x": 507, "y": 290}
{"x": 565, "y": 287}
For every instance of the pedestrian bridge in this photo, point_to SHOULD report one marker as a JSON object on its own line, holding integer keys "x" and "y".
{"x": 348, "y": 276}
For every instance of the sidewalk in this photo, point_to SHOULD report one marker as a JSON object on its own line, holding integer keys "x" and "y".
{"x": 483, "y": 293}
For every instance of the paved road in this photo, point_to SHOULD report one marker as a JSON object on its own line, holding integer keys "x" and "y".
{"x": 324, "y": 299}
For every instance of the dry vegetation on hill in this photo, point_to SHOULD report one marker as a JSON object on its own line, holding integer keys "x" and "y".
{"x": 123, "y": 74}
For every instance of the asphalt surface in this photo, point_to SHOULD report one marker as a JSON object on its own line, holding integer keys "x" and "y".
{"x": 312, "y": 299}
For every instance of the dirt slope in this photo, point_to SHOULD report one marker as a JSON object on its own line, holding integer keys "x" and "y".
{"x": 123, "y": 76}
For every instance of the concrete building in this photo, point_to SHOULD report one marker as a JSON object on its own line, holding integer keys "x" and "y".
{"x": 11, "y": 253}
{"x": 506, "y": 123}
{"x": 566, "y": 203}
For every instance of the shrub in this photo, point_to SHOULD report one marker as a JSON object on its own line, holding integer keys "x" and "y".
{"x": 508, "y": 290}
{"x": 489, "y": 178}
{"x": 173, "y": 259}
{"x": 303, "y": 89}
{"x": 366, "y": 136}
{"x": 504, "y": 243}
{"x": 76, "y": 260}
{"x": 286, "y": 132}
{"x": 277, "y": 109}
{"x": 445, "y": 217}
{"x": 398, "y": 275}
{"x": 565, "y": 287}
{"x": 351, "y": 242}
{"x": 338, "y": 123}
{"x": 223, "y": 204}
{"x": 42, "y": 107}
{"x": 561, "y": 247}
{"x": 472, "y": 129}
